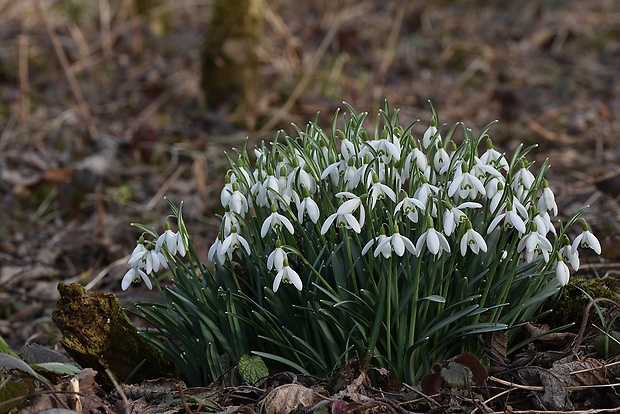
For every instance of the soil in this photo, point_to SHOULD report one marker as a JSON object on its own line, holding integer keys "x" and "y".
{"x": 102, "y": 116}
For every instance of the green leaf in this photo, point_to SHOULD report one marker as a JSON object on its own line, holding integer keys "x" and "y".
{"x": 10, "y": 362}
{"x": 11, "y": 390}
{"x": 435, "y": 298}
{"x": 5, "y": 349}
{"x": 285, "y": 361}
{"x": 252, "y": 369}
{"x": 57, "y": 368}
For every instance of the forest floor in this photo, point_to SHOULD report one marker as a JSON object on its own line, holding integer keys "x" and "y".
{"x": 101, "y": 115}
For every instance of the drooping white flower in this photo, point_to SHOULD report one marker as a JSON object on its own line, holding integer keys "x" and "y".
{"x": 546, "y": 202}
{"x": 562, "y": 272}
{"x": 534, "y": 243}
{"x": 431, "y": 136}
{"x": 214, "y": 252}
{"x": 134, "y": 275}
{"x": 410, "y": 206}
{"x": 587, "y": 240}
{"x": 396, "y": 243}
{"x": 149, "y": 259}
{"x": 265, "y": 192}
{"x": 308, "y": 207}
{"x": 467, "y": 185}
{"x": 232, "y": 242}
{"x": 276, "y": 259}
{"x": 416, "y": 160}
{"x": 493, "y": 157}
{"x": 137, "y": 255}
{"x": 275, "y": 221}
{"x": 454, "y": 215}
{"x": 510, "y": 217}
{"x": 473, "y": 240}
{"x": 229, "y": 220}
{"x": 434, "y": 240}
{"x": 287, "y": 275}
{"x": 567, "y": 252}
{"x": 379, "y": 190}
{"x": 441, "y": 159}
{"x": 372, "y": 241}
{"x": 522, "y": 182}
{"x": 344, "y": 215}
{"x": 173, "y": 242}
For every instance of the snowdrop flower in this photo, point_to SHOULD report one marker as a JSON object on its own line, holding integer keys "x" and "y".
{"x": 396, "y": 243}
{"x": 287, "y": 275}
{"x": 441, "y": 159}
{"x": 214, "y": 252}
{"x": 148, "y": 259}
{"x": 266, "y": 190}
{"x": 347, "y": 149}
{"x": 543, "y": 223}
{"x": 562, "y": 273}
{"x": 434, "y": 240}
{"x": 467, "y": 185}
{"x": 587, "y": 240}
{"x": 333, "y": 169}
{"x": 378, "y": 191}
{"x": 493, "y": 157}
{"x": 415, "y": 158}
{"x": 372, "y": 241}
{"x": 384, "y": 149}
{"x": 234, "y": 199}
{"x": 494, "y": 186}
{"x": 522, "y": 181}
{"x": 567, "y": 253}
{"x": 138, "y": 253}
{"x": 276, "y": 258}
{"x": 410, "y": 207}
{"x": 546, "y": 202}
{"x": 454, "y": 215}
{"x": 473, "y": 240}
{"x": 275, "y": 221}
{"x": 134, "y": 275}
{"x": 430, "y": 136}
{"x": 424, "y": 191}
{"x": 344, "y": 215}
{"x": 173, "y": 242}
{"x": 308, "y": 207}
{"x": 534, "y": 243}
{"x": 232, "y": 242}
{"x": 229, "y": 220}
{"x": 302, "y": 179}
{"x": 511, "y": 218}
{"x": 352, "y": 175}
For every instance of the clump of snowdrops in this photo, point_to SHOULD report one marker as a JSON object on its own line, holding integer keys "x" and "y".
{"x": 390, "y": 246}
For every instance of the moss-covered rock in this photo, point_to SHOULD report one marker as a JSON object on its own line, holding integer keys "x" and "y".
{"x": 97, "y": 334}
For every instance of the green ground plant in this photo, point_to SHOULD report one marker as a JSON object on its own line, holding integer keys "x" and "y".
{"x": 345, "y": 243}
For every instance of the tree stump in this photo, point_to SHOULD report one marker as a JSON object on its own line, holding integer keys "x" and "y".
{"x": 98, "y": 334}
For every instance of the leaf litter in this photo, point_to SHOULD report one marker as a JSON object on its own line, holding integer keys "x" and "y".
{"x": 97, "y": 131}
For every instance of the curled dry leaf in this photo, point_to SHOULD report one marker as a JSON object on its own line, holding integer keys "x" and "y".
{"x": 287, "y": 398}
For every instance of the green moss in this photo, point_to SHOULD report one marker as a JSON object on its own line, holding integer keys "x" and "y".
{"x": 574, "y": 298}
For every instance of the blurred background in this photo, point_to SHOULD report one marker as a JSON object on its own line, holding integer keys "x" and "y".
{"x": 107, "y": 106}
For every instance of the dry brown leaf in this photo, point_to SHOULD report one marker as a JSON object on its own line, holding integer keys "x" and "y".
{"x": 287, "y": 398}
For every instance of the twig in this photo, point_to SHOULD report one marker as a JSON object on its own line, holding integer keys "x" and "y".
{"x": 164, "y": 188}
{"x": 68, "y": 70}
{"x": 105, "y": 271}
{"x": 119, "y": 390}
{"x": 183, "y": 399}
{"x": 314, "y": 62}
{"x": 584, "y": 320}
